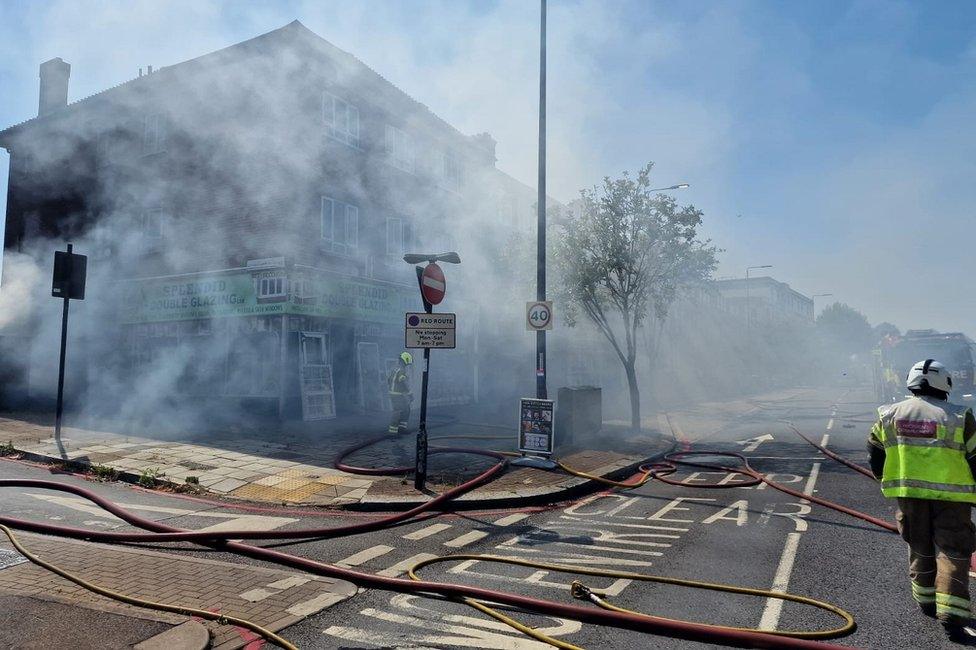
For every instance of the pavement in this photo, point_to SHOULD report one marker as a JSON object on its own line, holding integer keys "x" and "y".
{"x": 297, "y": 470}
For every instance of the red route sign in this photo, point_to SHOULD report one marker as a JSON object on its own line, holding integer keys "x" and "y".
{"x": 432, "y": 284}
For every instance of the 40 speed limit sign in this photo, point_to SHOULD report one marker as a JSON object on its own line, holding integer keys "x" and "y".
{"x": 538, "y": 315}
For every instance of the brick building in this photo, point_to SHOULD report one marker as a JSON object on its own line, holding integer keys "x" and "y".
{"x": 245, "y": 214}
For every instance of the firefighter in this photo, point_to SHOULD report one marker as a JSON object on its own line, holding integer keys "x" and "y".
{"x": 400, "y": 396}
{"x": 923, "y": 449}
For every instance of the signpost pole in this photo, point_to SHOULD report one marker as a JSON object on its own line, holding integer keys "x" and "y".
{"x": 540, "y": 337}
{"x": 64, "y": 346}
{"x": 420, "y": 473}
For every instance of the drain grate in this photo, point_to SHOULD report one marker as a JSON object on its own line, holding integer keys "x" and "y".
{"x": 10, "y": 558}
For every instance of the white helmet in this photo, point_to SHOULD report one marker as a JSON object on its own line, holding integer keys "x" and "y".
{"x": 931, "y": 374}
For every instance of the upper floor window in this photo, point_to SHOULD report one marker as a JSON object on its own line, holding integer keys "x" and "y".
{"x": 451, "y": 173}
{"x": 154, "y": 134}
{"x": 340, "y": 226}
{"x": 153, "y": 223}
{"x": 400, "y": 148}
{"x": 341, "y": 119}
{"x": 397, "y": 236}
{"x": 271, "y": 287}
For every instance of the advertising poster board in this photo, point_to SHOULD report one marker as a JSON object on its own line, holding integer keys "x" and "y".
{"x": 536, "y": 426}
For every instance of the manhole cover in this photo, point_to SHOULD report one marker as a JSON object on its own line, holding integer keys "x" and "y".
{"x": 10, "y": 558}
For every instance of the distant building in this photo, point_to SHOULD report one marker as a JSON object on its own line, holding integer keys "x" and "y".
{"x": 764, "y": 300}
{"x": 245, "y": 214}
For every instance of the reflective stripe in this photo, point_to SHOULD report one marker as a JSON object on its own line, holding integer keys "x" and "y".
{"x": 932, "y": 443}
{"x": 928, "y": 485}
{"x": 919, "y": 589}
{"x": 952, "y": 601}
{"x": 955, "y": 612}
{"x": 971, "y": 444}
{"x": 958, "y": 437}
{"x": 923, "y": 600}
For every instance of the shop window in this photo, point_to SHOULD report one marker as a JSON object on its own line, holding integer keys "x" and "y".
{"x": 340, "y": 226}
{"x": 341, "y": 119}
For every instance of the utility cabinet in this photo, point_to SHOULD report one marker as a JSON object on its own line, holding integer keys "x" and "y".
{"x": 579, "y": 415}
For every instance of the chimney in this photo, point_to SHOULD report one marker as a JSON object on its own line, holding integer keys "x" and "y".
{"x": 54, "y": 86}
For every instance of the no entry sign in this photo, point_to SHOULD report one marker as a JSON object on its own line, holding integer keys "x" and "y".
{"x": 432, "y": 284}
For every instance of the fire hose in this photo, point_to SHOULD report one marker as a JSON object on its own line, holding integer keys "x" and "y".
{"x": 607, "y": 615}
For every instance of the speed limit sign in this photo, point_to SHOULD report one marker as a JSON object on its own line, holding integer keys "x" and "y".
{"x": 538, "y": 315}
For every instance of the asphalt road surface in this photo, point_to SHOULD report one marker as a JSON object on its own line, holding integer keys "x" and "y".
{"x": 749, "y": 536}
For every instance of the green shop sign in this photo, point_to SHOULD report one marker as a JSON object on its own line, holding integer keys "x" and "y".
{"x": 263, "y": 292}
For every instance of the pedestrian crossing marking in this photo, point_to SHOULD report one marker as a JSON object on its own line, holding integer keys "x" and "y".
{"x": 433, "y": 529}
{"x": 511, "y": 519}
{"x": 466, "y": 539}
{"x": 365, "y": 555}
{"x": 401, "y": 567}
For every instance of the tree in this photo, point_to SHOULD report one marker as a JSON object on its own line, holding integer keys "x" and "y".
{"x": 624, "y": 255}
{"x": 846, "y": 329}
{"x": 882, "y": 330}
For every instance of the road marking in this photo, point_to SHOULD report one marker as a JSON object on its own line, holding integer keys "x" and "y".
{"x": 774, "y": 606}
{"x": 830, "y": 424}
{"x": 365, "y": 555}
{"x": 511, "y": 519}
{"x": 401, "y": 567}
{"x": 288, "y": 583}
{"x": 825, "y": 440}
{"x": 752, "y": 444}
{"x": 425, "y": 626}
{"x": 465, "y": 539}
{"x": 309, "y": 607}
{"x": 811, "y": 481}
{"x": 433, "y": 529}
{"x": 250, "y": 522}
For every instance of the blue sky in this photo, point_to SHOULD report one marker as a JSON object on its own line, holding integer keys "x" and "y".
{"x": 831, "y": 139}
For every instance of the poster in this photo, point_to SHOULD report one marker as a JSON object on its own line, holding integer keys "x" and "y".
{"x": 535, "y": 426}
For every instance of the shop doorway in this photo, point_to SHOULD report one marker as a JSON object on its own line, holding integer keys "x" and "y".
{"x": 315, "y": 377}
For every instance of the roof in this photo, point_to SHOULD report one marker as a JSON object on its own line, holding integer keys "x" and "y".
{"x": 292, "y": 32}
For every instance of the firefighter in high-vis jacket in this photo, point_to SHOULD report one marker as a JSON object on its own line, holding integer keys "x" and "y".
{"x": 923, "y": 449}
{"x": 400, "y": 396}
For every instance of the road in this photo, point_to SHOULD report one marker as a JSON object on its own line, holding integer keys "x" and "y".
{"x": 750, "y": 536}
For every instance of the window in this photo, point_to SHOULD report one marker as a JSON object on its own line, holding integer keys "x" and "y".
{"x": 397, "y": 236}
{"x": 451, "y": 172}
{"x": 341, "y": 119}
{"x": 154, "y": 134}
{"x": 399, "y": 148}
{"x": 271, "y": 287}
{"x": 152, "y": 224}
{"x": 340, "y": 226}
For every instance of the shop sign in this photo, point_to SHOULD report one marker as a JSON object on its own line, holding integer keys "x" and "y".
{"x": 535, "y": 426}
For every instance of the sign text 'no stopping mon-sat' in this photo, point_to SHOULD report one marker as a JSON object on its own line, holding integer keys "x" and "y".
{"x": 422, "y": 330}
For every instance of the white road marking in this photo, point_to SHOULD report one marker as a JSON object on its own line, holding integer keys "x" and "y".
{"x": 825, "y": 440}
{"x": 811, "y": 481}
{"x": 774, "y": 606}
{"x": 511, "y": 519}
{"x": 433, "y": 529}
{"x": 365, "y": 555}
{"x": 250, "y": 522}
{"x": 401, "y": 567}
{"x": 752, "y": 444}
{"x": 424, "y": 626}
{"x": 830, "y": 424}
{"x": 465, "y": 539}
{"x": 309, "y": 607}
